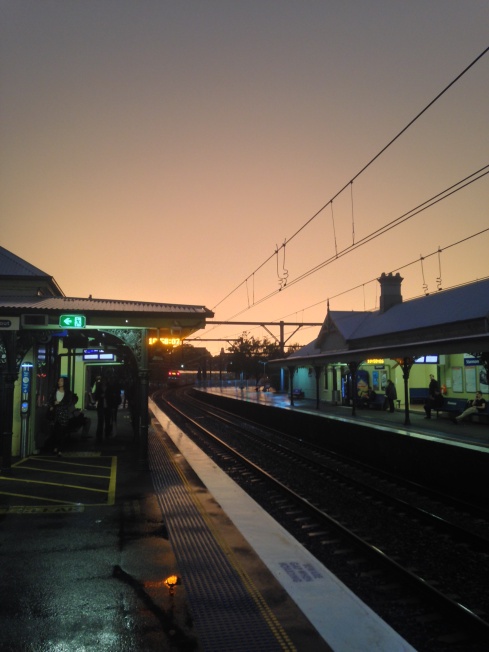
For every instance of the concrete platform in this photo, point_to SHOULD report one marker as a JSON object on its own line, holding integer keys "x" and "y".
{"x": 343, "y": 622}
{"x": 465, "y": 434}
{"x": 89, "y": 574}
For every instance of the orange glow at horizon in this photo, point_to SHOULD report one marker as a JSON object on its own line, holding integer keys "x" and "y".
{"x": 178, "y": 154}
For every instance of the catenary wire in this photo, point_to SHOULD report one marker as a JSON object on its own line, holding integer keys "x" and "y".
{"x": 361, "y": 171}
{"x": 376, "y": 234}
{"x": 364, "y": 283}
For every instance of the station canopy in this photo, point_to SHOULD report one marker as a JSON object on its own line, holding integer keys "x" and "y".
{"x": 31, "y": 300}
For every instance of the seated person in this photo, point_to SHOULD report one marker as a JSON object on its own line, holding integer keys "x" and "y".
{"x": 368, "y": 398}
{"x": 473, "y": 407}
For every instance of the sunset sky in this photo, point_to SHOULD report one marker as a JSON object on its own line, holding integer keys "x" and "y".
{"x": 188, "y": 151}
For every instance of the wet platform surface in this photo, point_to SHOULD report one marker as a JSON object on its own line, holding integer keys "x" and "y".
{"x": 466, "y": 433}
{"x": 90, "y": 529}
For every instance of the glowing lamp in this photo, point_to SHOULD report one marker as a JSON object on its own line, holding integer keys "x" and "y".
{"x": 172, "y": 582}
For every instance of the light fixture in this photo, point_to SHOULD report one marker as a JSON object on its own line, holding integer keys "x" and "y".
{"x": 172, "y": 582}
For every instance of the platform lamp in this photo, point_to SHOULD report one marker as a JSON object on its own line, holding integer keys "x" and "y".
{"x": 171, "y": 582}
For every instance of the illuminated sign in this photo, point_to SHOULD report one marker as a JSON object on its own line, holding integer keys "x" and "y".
{"x": 375, "y": 361}
{"x": 166, "y": 341}
{"x": 73, "y": 321}
{"x": 89, "y": 355}
{"x": 427, "y": 359}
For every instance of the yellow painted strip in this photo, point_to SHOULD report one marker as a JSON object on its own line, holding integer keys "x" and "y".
{"x": 31, "y": 497}
{"x": 113, "y": 482}
{"x": 57, "y": 484}
{"x": 84, "y": 475}
{"x": 61, "y": 461}
{"x": 268, "y": 615}
{"x": 45, "y": 509}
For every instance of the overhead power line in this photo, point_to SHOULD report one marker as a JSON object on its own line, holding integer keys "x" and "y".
{"x": 444, "y": 194}
{"x": 356, "y": 176}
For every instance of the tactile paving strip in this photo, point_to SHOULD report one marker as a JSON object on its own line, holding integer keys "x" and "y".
{"x": 226, "y": 615}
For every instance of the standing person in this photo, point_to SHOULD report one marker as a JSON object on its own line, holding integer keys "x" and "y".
{"x": 390, "y": 396}
{"x": 113, "y": 402}
{"x": 59, "y": 409}
{"x": 475, "y": 406}
{"x": 435, "y": 398}
{"x": 104, "y": 414}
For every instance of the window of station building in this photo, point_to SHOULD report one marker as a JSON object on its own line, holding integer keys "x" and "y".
{"x": 427, "y": 359}
{"x": 326, "y": 377}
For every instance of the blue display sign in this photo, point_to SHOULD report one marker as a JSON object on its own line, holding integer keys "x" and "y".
{"x": 26, "y": 379}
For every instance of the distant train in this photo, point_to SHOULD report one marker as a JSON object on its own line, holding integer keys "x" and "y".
{"x": 179, "y": 377}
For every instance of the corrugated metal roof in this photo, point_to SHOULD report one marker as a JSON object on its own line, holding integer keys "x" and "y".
{"x": 72, "y": 304}
{"x": 465, "y": 303}
{"x": 434, "y": 313}
{"x": 307, "y": 350}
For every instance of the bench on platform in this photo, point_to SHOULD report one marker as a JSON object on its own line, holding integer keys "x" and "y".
{"x": 455, "y": 406}
{"x": 418, "y": 395}
{"x": 297, "y": 393}
{"x": 376, "y": 404}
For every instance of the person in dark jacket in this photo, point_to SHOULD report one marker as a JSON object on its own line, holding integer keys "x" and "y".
{"x": 59, "y": 412}
{"x": 435, "y": 397}
{"x": 104, "y": 410}
{"x": 475, "y": 406}
{"x": 390, "y": 396}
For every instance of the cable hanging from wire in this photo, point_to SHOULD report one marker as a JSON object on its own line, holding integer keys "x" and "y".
{"x": 425, "y": 286}
{"x": 438, "y": 278}
{"x": 444, "y": 194}
{"x": 352, "y": 215}
{"x": 365, "y": 167}
{"x": 334, "y": 230}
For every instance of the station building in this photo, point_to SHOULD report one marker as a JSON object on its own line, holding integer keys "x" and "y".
{"x": 445, "y": 334}
{"x": 44, "y": 335}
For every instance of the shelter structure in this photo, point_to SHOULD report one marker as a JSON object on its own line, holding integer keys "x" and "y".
{"x": 42, "y": 329}
{"x": 449, "y": 321}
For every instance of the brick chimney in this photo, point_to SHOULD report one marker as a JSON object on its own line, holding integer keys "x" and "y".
{"x": 390, "y": 290}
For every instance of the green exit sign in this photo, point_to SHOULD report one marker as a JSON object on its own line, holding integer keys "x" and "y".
{"x": 73, "y": 321}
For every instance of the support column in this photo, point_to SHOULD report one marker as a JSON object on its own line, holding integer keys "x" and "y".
{"x": 8, "y": 376}
{"x": 406, "y": 363}
{"x": 143, "y": 464}
{"x": 353, "y": 366}
{"x": 291, "y": 369}
{"x": 317, "y": 371}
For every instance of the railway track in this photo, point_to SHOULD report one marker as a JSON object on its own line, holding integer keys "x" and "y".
{"x": 419, "y": 560}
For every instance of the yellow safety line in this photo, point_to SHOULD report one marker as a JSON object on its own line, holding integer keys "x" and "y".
{"x": 113, "y": 481}
{"x": 83, "y": 475}
{"x": 60, "y": 461}
{"x": 51, "y": 500}
{"x": 255, "y": 594}
{"x": 56, "y": 484}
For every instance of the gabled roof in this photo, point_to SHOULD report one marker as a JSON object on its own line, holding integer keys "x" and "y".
{"x": 344, "y": 322}
{"x": 461, "y": 304}
{"x": 18, "y": 277}
{"x": 310, "y": 349}
{"x": 443, "y": 322}
{"x": 12, "y": 265}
